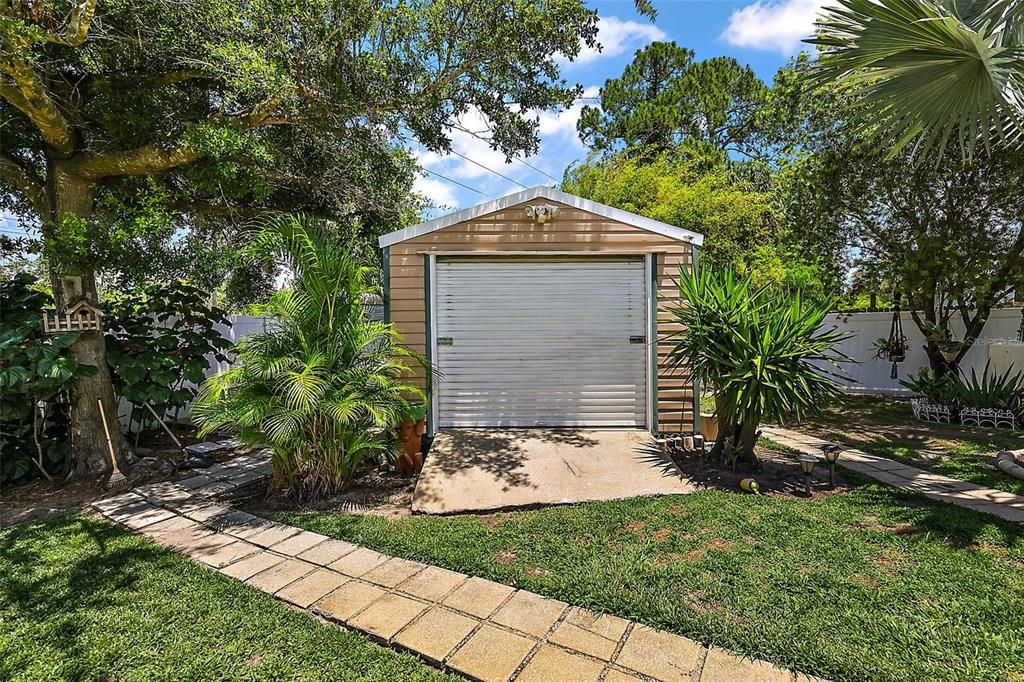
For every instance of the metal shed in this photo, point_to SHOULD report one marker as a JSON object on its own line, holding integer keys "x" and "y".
{"x": 540, "y": 309}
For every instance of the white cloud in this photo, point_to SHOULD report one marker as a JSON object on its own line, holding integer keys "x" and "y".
{"x": 441, "y": 193}
{"x": 777, "y": 25}
{"x": 561, "y": 125}
{"x": 616, "y": 36}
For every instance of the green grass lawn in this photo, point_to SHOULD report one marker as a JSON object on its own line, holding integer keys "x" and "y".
{"x": 83, "y": 600}
{"x": 887, "y": 428}
{"x": 871, "y": 584}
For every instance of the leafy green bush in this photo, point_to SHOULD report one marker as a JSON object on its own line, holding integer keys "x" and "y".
{"x": 762, "y": 353}
{"x": 35, "y": 375}
{"x": 942, "y": 390}
{"x": 159, "y": 343}
{"x": 323, "y": 383}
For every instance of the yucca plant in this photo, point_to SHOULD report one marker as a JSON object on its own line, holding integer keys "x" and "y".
{"x": 763, "y": 353}
{"x": 323, "y": 384}
{"x": 993, "y": 390}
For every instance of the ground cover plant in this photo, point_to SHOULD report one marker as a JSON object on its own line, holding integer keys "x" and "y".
{"x": 84, "y": 600}
{"x": 887, "y": 428}
{"x": 874, "y": 584}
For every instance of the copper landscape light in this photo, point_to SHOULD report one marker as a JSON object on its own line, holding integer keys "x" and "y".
{"x": 807, "y": 463}
{"x": 831, "y": 452}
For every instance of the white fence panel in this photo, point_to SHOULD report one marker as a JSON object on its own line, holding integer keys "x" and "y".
{"x": 870, "y": 375}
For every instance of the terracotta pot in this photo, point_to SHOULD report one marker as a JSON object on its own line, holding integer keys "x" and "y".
{"x": 709, "y": 426}
{"x": 410, "y": 436}
{"x": 421, "y": 427}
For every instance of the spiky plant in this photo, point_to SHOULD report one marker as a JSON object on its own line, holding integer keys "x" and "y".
{"x": 764, "y": 353}
{"x": 323, "y": 384}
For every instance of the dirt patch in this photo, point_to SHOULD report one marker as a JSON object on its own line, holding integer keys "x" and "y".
{"x": 779, "y": 474}
{"x": 507, "y": 558}
{"x": 866, "y": 581}
{"x": 156, "y": 454}
{"x": 662, "y": 534}
{"x": 537, "y": 572}
{"x": 635, "y": 526}
{"x": 372, "y": 491}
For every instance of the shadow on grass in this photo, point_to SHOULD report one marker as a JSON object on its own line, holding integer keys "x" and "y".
{"x": 55, "y": 591}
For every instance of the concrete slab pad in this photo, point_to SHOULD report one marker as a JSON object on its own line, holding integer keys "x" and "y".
{"x": 482, "y": 469}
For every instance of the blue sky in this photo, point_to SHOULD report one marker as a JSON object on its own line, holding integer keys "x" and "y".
{"x": 762, "y": 33}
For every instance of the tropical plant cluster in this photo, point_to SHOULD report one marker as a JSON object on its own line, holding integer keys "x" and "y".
{"x": 988, "y": 390}
{"x": 323, "y": 386}
{"x": 761, "y": 354}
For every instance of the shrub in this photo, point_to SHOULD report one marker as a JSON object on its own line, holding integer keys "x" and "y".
{"x": 762, "y": 353}
{"x": 160, "y": 340}
{"x": 989, "y": 390}
{"x": 323, "y": 383}
{"x": 35, "y": 375}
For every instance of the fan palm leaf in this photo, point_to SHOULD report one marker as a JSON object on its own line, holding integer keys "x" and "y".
{"x": 935, "y": 73}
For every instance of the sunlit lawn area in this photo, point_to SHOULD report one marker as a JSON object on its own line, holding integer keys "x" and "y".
{"x": 83, "y": 600}
{"x": 870, "y": 584}
{"x": 887, "y": 428}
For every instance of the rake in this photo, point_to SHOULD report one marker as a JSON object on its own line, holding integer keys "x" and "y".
{"x": 117, "y": 480}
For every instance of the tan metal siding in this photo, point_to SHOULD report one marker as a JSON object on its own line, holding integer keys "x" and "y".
{"x": 572, "y": 231}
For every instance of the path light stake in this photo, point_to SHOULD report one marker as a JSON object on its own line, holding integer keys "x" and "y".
{"x": 831, "y": 452}
{"x": 807, "y": 463}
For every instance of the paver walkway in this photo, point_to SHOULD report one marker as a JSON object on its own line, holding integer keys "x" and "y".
{"x": 936, "y": 486}
{"x": 484, "y": 630}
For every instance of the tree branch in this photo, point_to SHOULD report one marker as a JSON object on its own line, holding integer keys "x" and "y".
{"x": 32, "y": 187}
{"x": 78, "y": 26}
{"x": 156, "y": 159}
{"x": 30, "y": 98}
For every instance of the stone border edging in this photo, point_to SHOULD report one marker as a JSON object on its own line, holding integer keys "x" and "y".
{"x": 935, "y": 486}
{"x": 478, "y": 628}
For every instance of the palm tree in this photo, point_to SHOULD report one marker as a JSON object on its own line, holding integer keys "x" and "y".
{"x": 323, "y": 385}
{"x": 937, "y": 73}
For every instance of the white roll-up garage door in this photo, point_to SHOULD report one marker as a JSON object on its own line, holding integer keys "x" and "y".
{"x": 541, "y": 341}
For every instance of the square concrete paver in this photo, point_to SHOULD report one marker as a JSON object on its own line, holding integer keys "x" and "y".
{"x": 250, "y": 566}
{"x": 478, "y": 597}
{"x": 147, "y": 518}
{"x": 327, "y": 552}
{"x": 228, "y": 554}
{"x": 529, "y": 613}
{"x": 432, "y": 583}
{"x": 591, "y": 633}
{"x": 619, "y": 676}
{"x": 311, "y": 587}
{"x": 474, "y": 469}
{"x": 722, "y": 666}
{"x": 392, "y": 572}
{"x": 297, "y": 544}
{"x": 358, "y": 562}
{"x": 436, "y": 633}
{"x": 660, "y": 655}
{"x": 386, "y": 616}
{"x": 273, "y": 579}
{"x": 272, "y": 534}
{"x": 552, "y": 663}
{"x": 349, "y": 599}
{"x": 491, "y": 654}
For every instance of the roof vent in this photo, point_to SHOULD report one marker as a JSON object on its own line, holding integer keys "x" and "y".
{"x": 541, "y": 212}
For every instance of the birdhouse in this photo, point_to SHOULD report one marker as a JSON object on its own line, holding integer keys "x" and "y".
{"x": 81, "y": 317}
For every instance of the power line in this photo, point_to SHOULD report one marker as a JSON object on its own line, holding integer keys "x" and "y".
{"x": 500, "y": 175}
{"x": 454, "y": 182}
{"x": 514, "y": 158}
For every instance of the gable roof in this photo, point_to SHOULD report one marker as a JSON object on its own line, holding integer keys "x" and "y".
{"x": 541, "y": 192}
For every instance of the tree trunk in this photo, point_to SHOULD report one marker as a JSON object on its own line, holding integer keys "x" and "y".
{"x": 746, "y": 440}
{"x": 72, "y": 196}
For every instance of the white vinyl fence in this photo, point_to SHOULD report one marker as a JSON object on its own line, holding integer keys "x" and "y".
{"x": 870, "y": 375}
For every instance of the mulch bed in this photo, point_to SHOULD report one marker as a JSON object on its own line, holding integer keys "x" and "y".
{"x": 372, "y": 491}
{"x": 779, "y": 474}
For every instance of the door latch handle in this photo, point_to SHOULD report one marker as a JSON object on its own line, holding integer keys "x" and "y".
{"x": 638, "y": 339}
{"x": 445, "y": 341}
